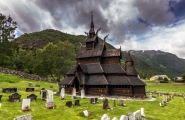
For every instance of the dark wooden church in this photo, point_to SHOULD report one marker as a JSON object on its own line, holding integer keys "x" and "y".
{"x": 98, "y": 70}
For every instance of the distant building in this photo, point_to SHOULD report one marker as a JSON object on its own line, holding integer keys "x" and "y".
{"x": 179, "y": 79}
{"x": 98, "y": 70}
{"x": 156, "y": 77}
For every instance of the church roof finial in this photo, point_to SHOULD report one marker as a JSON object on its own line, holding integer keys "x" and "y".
{"x": 91, "y": 31}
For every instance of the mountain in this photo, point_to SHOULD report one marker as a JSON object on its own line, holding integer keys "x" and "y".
{"x": 147, "y": 65}
{"x": 169, "y": 63}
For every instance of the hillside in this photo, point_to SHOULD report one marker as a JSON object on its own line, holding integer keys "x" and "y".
{"x": 145, "y": 64}
{"x": 167, "y": 62}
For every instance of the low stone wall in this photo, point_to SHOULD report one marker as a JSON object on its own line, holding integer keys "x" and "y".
{"x": 24, "y": 75}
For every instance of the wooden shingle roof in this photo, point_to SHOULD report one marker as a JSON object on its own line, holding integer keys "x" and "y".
{"x": 111, "y": 53}
{"x": 114, "y": 68}
{"x": 96, "y": 52}
{"x": 67, "y": 81}
{"x": 92, "y": 68}
{"x": 97, "y": 80}
{"x": 136, "y": 81}
{"x": 118, "y": 80}
{"x": 72, "y": 71}
{"x": 130, "y": 70}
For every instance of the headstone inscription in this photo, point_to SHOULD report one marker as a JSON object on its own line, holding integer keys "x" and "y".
{"x": 24, "y": 117}
{"x": 105, "y": 104}
{"x": 26, "y": 104}
{"x": 62, "y": 93}
{"x": 124, "y": 117}
{"x": 43, "y": 94}
{"x": 30, "y": 89}
{"x": 15, "y": 97}
{"x": 32, "y": 97}
{"x": 69, "y": 103}
{"x": 82, "y": 93}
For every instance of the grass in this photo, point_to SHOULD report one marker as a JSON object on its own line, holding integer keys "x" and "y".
{"x": 9, "y": 110}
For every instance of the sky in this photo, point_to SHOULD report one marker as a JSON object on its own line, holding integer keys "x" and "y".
{"x": 131, "y": 24}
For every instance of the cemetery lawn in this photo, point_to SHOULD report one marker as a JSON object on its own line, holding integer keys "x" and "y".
{"x": 174, "y": 110}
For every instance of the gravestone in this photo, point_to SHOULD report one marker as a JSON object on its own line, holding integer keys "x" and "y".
{"x": 82, "y": 93}
{"x": 77, "y": 102}
{"x": 24, "y": 117}
{"x": 96, "y": 100}
{"x": 74, "y": 92}
{"x": 30, "y": 89}
{"x": 69, "y": 103}
{"x": 30, "y": 84}
{"x": 115, "y": 118}
{"x": 0, "y": 105}
{"x": 32, "y": 97}
{"x": 150, "y": 95}
{"x": 9, "y": 89}
{"x": 105, "y": 117}
{"x": 114, "y": 103}
{"x": 62, "y": 93}
{"x": 131, "y": 116}
{"x": 43, "y": 94}
{"x": 142, "y": 112}
{"x": 37, "y": 85}
{"x": 0, "y": 97}
{"x": 92, "y": 100}
{"x": 15, "y": 97}
{"x": 26, "y": 104}
{"x": 105, "y": 104}
{"x": 137, "y": 114}
{"x": 49, "y": 102}
{"x": 51, "y": 86}
{"x": 87, "y": 113}
{"x": 124, "y": 117}
{"x": 121, "y": 103}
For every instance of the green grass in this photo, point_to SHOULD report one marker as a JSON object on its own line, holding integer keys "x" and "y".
{"x": 9, "y": 110}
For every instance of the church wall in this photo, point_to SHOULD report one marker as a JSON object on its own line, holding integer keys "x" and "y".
{"x": 88, "y": 60}
{"x": 108, "y": 60}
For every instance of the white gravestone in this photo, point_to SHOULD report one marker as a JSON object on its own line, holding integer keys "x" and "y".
{"x": 82, "y": 93}
{"x": 131, "y": 116}
{"x": 105, "y": 117}
{"x": 86, "y": 113}
{"x": 62, "y": 93}
{"x": 115, "y": 118}
{"x": 137, "y": 114}
{"x": 142, "y": 112}
{"x": 124, "y": 117}
{"x": 49, "y": 96}
{"x": 163, "y": 97}
{"x": 74, "y": 92}
{"x": 150, "y": 95}
{"x": 26, "y": 104}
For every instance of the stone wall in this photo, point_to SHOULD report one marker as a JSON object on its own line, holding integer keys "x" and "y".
{"x": 24, "y": 75}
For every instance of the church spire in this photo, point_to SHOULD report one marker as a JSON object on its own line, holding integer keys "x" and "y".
{"x": 91, "y": 31}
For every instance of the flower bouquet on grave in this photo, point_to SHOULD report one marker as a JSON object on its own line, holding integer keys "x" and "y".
{"x": 26, "y": 108}
{"x": 11, "y": 100}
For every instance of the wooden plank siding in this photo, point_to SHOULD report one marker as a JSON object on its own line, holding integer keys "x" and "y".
{"x": 88, "y": 60}
{"x": 108, "y": 60}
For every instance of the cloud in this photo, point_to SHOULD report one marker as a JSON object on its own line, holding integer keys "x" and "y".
{"x": 133, "y": 24}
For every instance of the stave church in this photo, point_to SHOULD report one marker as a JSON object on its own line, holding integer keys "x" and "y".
{"x": 99, "y": 72}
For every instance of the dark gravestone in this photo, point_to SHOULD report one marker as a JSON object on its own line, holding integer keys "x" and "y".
{"x": 30, "y": 89}
{"x": 69, "y": 103}
{"x": 30, "y": 84}
{"x": 14, "y": 97}
{"x": 9, "y": 89}
{"x": 114, "y": 103}
{"x": 33, "y": 97}
{"x": 37, "y": 85}
{"x": 0, "y": 97}
{"x": 105, "y": 104}
{"x": 51, "y": 86}
{"x": 43, "y": 94}
{"x": 41, "y": 90}
{"x": 92, "y": 101}
{"x": 96, "y": 100}
{"x": 77, "y": 102}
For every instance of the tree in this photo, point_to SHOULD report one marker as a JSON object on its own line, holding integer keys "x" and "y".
{"x": 183, "y": 76}
{"x": 7, "y": 46}
{"x": 55, "y": 60}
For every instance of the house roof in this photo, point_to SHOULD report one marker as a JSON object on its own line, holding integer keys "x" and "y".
{"x": 112, "y": 52}
{"x": 96, "y": 52}
{"x": 67, "y": 81}
{"x": 135, "y": 81}
{"x": 118, "y": 80}
{"x": 97, "y": 80}
{"x": 72, "y": 71}
{"x": 114, "y": 68}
